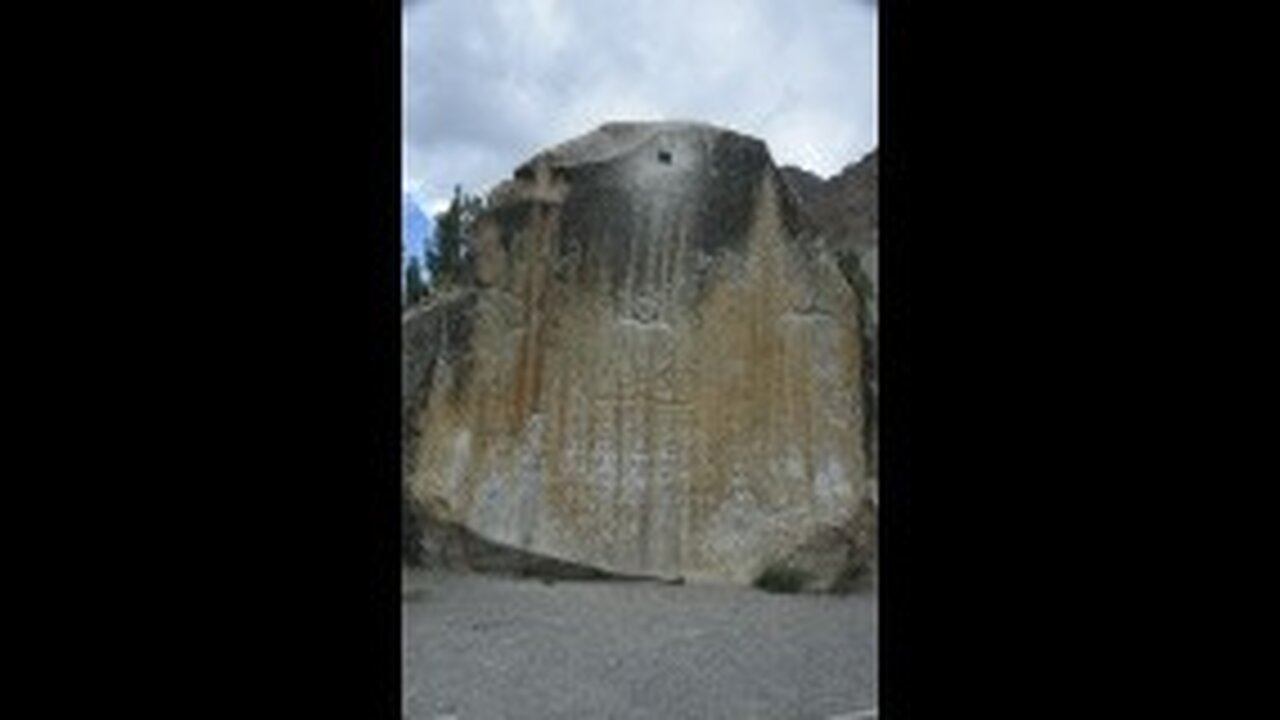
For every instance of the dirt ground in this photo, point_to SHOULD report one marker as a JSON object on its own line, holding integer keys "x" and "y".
{"x": 487, "y": 648}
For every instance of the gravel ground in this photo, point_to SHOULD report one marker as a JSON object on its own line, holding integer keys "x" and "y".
{"x": 488, "y": 648}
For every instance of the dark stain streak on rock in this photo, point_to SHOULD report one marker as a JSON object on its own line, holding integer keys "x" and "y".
{"x": 510, "y": 218}
{"x": 730, "y": 180}
{"x": 458, "y": 326}
{"x": 604, "y": 215}
{"x": 439, "y": 331}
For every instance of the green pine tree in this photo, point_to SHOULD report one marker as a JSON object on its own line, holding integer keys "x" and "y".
{"x": 415, "y": 288}
{"x": 449, "y": 263}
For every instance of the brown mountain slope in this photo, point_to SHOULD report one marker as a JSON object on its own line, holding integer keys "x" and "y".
{"x": 846, "y": 206}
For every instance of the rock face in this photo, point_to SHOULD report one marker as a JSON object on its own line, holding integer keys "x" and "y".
{"x": 656, "y": 369}
{"x": 846, "y": 210}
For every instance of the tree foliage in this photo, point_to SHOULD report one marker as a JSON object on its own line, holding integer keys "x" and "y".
{"x": 415, "y": 287}
{"x": 450, "y": 262}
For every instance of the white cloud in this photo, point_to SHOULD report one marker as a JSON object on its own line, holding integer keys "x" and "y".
{"x": 489, "y": 84}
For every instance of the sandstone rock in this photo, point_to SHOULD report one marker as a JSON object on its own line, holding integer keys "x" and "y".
{"x": 845, "y": 209}
{"x": 656, "y": 373}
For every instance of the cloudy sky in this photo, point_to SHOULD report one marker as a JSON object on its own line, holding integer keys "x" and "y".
{"x": 488, "y": 84}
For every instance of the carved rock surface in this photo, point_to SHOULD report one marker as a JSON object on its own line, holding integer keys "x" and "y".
{"x": 656, "y": 371}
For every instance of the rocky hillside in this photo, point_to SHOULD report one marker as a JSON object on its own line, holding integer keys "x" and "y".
{"x": 659, "y": 369}
{"x": 846, "y": 206}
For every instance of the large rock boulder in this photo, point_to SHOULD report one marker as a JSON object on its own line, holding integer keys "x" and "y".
{"x": 656, "y": 371}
